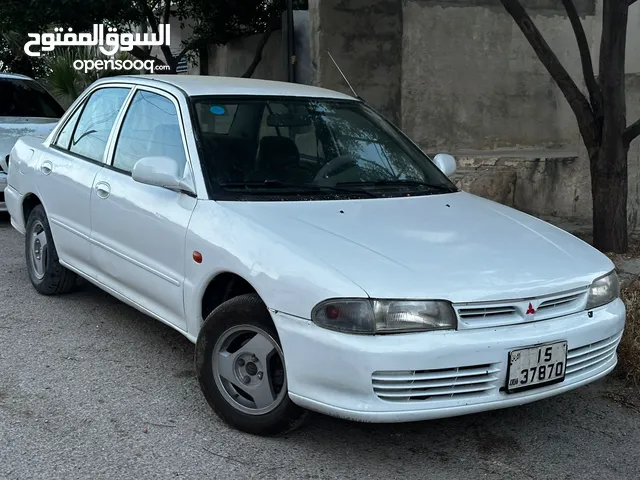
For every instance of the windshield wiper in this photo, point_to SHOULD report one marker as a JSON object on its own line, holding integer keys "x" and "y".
{"x": 411, "y": 183}
{"x": 301, "y": 187}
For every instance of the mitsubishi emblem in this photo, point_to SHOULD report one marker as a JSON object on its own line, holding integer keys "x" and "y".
{"x": 530, "y": 310}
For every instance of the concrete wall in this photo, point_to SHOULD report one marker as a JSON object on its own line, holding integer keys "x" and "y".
{"x": 234, "y": 58}
{"x": 470, "y": 80}
{"x": 365, "y": 38}
{"x": 463, "y": 79}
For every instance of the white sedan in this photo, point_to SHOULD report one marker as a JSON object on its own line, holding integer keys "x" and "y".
{"x": 26, "y": 108}
{"x": 315, "y": 256}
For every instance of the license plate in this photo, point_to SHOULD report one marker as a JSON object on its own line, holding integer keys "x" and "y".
{"x": 536, "y": 366}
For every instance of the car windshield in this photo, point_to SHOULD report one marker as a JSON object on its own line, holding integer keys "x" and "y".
{"x": 26, "y": 98}
{"x": 295, "y": 146}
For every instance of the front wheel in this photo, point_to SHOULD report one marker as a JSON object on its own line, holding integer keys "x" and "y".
{"x": 241, "y": 370}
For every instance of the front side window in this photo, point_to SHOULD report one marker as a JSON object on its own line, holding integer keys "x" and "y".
{"x": 91, "y": 134}
{"x": 151, "y": 128}
{"x": 26, "y": 98}
{"x": 293, "y": 146}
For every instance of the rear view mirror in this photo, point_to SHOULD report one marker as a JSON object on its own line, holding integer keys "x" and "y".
{"x": 446, "y": 163}
{"x": 288, "y": 120}
{"x": 161, "y": 172}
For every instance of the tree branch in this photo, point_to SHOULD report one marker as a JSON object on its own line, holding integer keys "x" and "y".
{"x": 188, "y": 47}
{"x": 257, "y": 58}
{"x": 595, "y": 94}
{"x": 167, "y": 11}
{"x": 579, "y": 104}
{"x": 631, "y": 132}
{"x": 153, "y": 23}
{"x": 148, "y": 13}
{"x": 142, "y": 54}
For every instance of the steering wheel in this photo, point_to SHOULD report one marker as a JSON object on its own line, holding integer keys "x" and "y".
{"x": 334, "y": 164}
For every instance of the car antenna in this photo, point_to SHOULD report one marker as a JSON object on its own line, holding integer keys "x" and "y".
{"x": 344, "y": 76}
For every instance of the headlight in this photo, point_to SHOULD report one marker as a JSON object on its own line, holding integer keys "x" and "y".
{"x": 384, "y": 316}
{"x": 603, "y": 290}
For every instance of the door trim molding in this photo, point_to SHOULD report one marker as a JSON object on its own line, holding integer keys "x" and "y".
{"x": 68, "y": 228}
{"x": 137, "y": 263}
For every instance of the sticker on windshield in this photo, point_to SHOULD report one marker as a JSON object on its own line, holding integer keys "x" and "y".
{"x": 217, "y": 110}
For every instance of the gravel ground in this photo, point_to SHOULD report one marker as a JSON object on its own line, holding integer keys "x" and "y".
{"x": 92, "y": 389}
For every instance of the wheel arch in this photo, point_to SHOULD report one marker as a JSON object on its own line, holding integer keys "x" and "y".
{"x": 222, "y": 287}
{"x": 30, "y": 201}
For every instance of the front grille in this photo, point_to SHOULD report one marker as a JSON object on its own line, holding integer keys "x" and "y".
{"x": 509, "y": 312}
{"x": 592, "y": 356}
{"x": 560, "y": 303}
{"x": 440, "y": 384}
{"x": 482, "y": 313}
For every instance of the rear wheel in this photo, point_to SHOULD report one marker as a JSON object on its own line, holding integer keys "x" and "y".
{"x": 45, "y": 272}
{"x": 241, "y": 370}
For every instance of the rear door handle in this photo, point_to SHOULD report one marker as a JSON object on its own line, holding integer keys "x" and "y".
{"x": 46, "y": 167}
{"x": 103, "y": 189}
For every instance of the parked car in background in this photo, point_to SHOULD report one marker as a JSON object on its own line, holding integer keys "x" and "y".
{"x": 26, "y": 108}
{"x": 316, "y": 257}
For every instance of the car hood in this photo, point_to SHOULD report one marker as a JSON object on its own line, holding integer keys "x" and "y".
{"x": 455, "y": 246}
{"x": 12, "y": 128}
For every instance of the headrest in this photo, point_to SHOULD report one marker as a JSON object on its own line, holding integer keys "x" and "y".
{"x": 278, "y": 152}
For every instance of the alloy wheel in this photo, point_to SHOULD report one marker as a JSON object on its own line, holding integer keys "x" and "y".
{"x": 249, "y": 369}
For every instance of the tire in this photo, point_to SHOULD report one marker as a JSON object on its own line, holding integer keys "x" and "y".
{"x": 45, "y": 272}
{"x": 239, "y": 390}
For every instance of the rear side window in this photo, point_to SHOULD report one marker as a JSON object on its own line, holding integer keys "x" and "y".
{"x": 26, "y": 98}
{"x": 64, "y": 138}
{"x": 91, "y": 134}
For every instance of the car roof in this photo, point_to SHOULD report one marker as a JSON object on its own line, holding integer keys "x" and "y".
{"x": 15, "y": 76}
{"x": 196, "y": 85}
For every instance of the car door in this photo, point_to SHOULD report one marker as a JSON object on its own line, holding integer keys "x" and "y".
{"x": 138, "y": 230}
{"x": 67, "y": 169}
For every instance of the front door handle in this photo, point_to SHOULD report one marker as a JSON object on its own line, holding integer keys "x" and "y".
{"x": 103, "y": 189}
{"x": 46, "y": 167}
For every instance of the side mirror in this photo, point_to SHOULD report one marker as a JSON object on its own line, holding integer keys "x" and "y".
{"x": 446, "y": 163}
{"x": 161, "y": 172}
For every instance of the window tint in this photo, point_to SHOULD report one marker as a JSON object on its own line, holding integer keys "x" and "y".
{"x": 26, "y": 98}
{"x": 268, "y": 130}
{"x": 216, "y": 118}
{"x": 150, "y": 129}
{"x": 65, "y": 134}
{"x": 96, "y": 121}
{"x": 311, "y": 144}
{"x": 304, "y": 136}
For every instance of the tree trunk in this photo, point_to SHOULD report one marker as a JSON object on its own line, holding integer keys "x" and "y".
{"x": 259, "y": 49}
{"x": 609, "y": 164}
{"x": 609, "y": 190}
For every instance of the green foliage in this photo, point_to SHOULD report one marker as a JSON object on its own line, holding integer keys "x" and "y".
{"x": 19, "y": 18}
{"x": 220, "y": 21}
{"x": 65, "y": 82}
{"x": 213, "y": 21}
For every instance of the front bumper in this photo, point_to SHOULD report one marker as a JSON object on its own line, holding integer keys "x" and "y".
{"x": 332, "y": 372}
